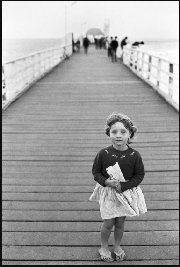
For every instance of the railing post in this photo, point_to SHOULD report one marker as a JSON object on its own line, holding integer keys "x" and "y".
{"x": 149, "y": 67}
{"x": 138, "y": 59}
{"x": 134, "y": 59}
{"x": 158, "y": 72}
{"x": 170, "y": 80}
{"x": 142, "y": 64}
{"x": 131, "y": 58}
{"x": 4, "y": 96}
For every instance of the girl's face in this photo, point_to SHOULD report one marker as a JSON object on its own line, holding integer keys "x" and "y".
{"x": 119, "y": 135}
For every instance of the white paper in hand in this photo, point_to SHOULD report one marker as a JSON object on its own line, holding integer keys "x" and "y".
{"x": 115, "y": 173}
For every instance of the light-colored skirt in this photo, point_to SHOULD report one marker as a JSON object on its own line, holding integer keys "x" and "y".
{"x": 112, "y": 204}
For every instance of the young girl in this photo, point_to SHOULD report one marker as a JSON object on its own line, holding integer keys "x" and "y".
{"x": 120, "y": 130}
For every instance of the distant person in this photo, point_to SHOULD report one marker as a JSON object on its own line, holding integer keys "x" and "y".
{"x": 105, "y": 43}
{"x": 73, "y": 45}
{"x": 86, "y": 44}
{"x": 78, "y": 45}
{"x": 114, "y": 46}
{"x": 96, "y": 42}
{"x": 101, "y": 42}
{"x": 109, "y": 47}
{"x": 124, "y": 42}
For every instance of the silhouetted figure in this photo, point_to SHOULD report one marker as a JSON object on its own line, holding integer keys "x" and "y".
{"x": 86, "y": 44}
{"x": 105, "y": 42}
{"x": 137, "y": 43}
{"x": 124, "y": 42}
{"x": 114, "y": 46}
{"x": 78, "y": 45}
{"x": 109, "y": 47}
{"x": 101, "y": 40}
{"x": 96, "y": 42}
{"x": 73, "y": 44}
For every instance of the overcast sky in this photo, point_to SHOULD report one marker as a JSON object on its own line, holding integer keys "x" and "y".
{"x": 46, "y": 19}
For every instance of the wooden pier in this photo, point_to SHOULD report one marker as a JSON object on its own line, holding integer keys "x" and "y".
{"x": 50, "y": 137}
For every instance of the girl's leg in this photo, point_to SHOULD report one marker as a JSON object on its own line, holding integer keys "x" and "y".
{"x": 118, "y": 231}
{"x": 106, "y": 231}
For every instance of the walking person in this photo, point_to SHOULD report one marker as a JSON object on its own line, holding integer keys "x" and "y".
{"x": 96, "y": 42}
{"x": 114, "y": 46}
{"x": 86, "y": 44}
{"x": 109, "y": 47}
{"x": 120, "y": 130}
{"x": 124, "y": 42}
{"x": 78, "y": 44}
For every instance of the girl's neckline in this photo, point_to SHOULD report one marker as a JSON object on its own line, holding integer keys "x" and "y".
{"x": 121, "y": 151}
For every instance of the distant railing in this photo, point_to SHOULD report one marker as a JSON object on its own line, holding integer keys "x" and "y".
{"x": 18, "y": 75}
{"x": 160, "y": 73}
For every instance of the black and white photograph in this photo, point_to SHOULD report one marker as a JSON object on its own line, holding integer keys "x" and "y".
{"x": 90, "y": 132}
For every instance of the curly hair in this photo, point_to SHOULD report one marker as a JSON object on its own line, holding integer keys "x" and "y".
{"x": 117, "y": 117}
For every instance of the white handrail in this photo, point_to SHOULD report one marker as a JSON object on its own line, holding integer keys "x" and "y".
{"x": 161, "y": 73}
{"x": 19, "y": 74}
{"x": 32, "y": 54}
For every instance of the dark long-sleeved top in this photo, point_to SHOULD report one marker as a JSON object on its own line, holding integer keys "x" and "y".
{"x": 130, "y": 162}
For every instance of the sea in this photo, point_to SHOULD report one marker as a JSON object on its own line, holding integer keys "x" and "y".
{"x": 166, "y": 49}
{"x": 16, "y": 48}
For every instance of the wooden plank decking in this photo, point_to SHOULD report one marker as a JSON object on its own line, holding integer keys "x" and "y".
{"x": 50, "y": 137}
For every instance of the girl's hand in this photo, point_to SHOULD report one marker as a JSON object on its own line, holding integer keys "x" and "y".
{"x": 111, "y": 183}
{"x": 118, "y": 188}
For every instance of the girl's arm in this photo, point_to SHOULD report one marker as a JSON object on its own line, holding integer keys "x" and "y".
{"x": 97, "y": 173}
{"x": 96, "y": 170}
{"x": 137, "y": 177}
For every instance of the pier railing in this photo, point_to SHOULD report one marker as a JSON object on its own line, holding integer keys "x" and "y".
{"x": 19, "y": 74}
{"x": 160, "y": 73}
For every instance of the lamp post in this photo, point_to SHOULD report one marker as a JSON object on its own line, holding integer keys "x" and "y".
{"x": 82, "y": 24}
{"x": 71, "y": 3}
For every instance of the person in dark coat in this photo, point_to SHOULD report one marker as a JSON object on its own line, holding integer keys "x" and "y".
{"x": 86, "y": 44}
{"x": 109, "y": 47}
{"x": 124, "y": 42}
{"x": 73, "y": 44}
{"x": 114, "y": 46}
{"x": 101, "y": 40}
{"x": 78, "y": 45}
{"x": 96, "y": 42}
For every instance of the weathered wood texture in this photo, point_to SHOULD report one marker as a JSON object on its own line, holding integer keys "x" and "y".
{"x": 50, "y": 138}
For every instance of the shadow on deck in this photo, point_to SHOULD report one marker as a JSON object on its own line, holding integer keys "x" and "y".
{"x": 50, "y": 137}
